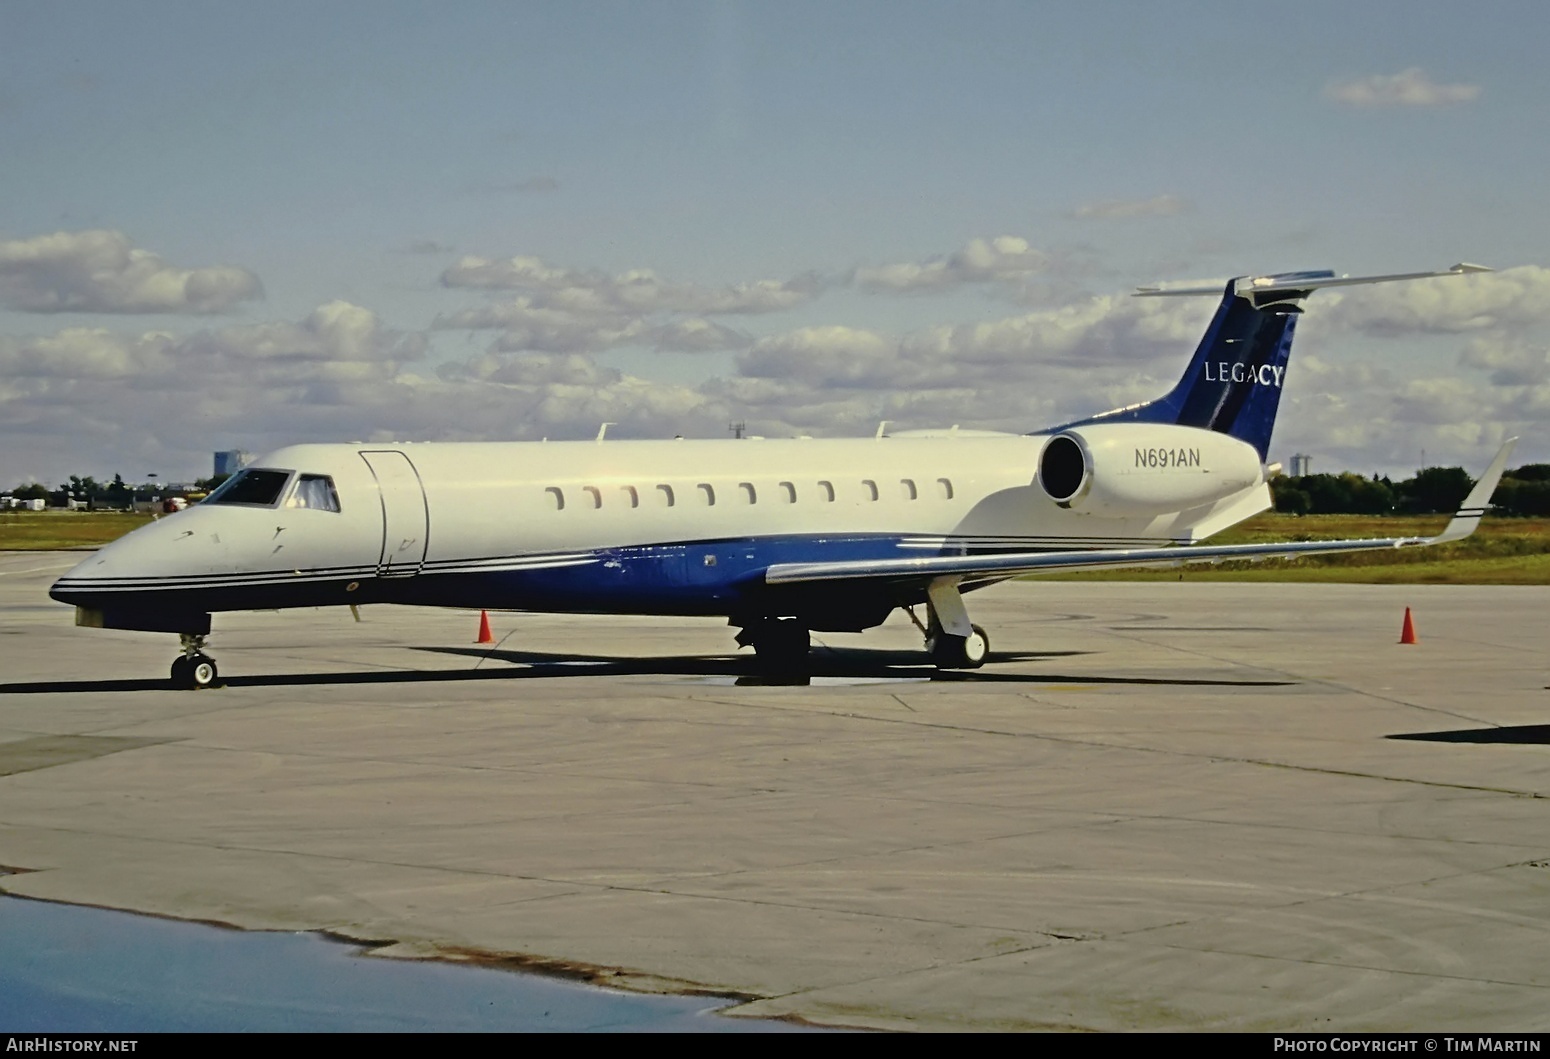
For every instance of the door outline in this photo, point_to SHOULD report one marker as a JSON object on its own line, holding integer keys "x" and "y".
{"x": 406, "y": 513}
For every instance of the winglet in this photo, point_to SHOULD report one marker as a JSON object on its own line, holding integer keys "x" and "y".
{"x": 1475, "y": 504}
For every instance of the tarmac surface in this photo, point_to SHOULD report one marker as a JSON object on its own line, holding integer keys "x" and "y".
{"x": 1162, "y": 806}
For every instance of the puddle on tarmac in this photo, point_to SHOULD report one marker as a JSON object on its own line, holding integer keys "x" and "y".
{"x": 69, "y": 968}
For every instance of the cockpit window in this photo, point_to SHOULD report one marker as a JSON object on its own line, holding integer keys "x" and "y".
{"x": 251, "y": 485}
{"x": 315, "y": 491}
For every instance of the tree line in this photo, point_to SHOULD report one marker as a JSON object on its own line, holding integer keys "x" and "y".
{"x": 118, "y": 492}
{"x": 1435, "y": 490}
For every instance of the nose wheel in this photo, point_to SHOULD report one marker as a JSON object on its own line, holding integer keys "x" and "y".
{"x": 193, "y": 668}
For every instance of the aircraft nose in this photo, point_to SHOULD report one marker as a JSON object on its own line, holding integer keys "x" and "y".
{"x": 153, "y": 558}
{"x": 103, "y": 572}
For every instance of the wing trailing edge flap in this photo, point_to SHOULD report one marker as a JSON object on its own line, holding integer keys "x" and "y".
{"x": 1460, "y": 526}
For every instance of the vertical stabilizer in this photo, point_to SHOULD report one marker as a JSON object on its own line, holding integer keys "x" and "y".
{"x": 1233, "y": 382}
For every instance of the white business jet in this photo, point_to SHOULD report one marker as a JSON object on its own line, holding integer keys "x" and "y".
{"x": 781, "y": 537}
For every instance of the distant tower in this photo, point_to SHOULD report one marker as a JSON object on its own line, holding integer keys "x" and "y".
{"x": 1302, "y": 465}
{"x": 231, "y": 461}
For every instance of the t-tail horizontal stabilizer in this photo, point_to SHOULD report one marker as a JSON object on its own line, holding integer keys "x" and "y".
{"x": 1233, "y": 383}
{"x": 993, "y": 567}
{"x": 1301, "y": 281}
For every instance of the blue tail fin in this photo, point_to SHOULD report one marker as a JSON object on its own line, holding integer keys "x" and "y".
{"x": 1233, "y": 382}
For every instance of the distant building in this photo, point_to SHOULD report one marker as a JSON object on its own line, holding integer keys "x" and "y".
{"x": 231, "y": 461}
{"x": 1302, "y": 465}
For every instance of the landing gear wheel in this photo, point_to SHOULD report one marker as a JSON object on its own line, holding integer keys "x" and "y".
{"x": 782, "y": 645}
{"x": 193, "y": 671}
{"x": 959, "y": 652}
{"x": 202, "y": 672}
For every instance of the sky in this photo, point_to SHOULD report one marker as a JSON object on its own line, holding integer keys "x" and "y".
{"x": 244, "y": 226}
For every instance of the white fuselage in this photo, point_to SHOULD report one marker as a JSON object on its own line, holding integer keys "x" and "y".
{"x": 631, "y": 526}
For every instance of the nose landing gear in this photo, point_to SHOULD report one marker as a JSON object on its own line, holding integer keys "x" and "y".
{"x": 193, "y": 668}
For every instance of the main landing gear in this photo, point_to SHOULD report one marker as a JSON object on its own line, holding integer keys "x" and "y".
{"x": 193, "y": 668}
{"x": 951, "y": 640}
{"x": 782, "y": 644}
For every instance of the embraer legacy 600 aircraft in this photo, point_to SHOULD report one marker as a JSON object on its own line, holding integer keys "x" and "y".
{"x": 780, "y": 537}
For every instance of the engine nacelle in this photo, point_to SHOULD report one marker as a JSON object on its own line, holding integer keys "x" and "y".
{"x": 1143, "y": 469}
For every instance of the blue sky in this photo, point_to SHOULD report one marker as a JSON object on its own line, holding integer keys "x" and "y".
{"x": 232, "y": 226}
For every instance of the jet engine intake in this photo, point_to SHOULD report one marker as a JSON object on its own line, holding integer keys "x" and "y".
{"x": 1144, "y": 469}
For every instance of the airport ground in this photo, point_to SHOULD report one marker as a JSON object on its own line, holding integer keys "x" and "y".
{"x": 1164, "y": 806}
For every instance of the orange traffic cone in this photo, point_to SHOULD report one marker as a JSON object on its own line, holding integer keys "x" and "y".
{"x": 484, "y": 628}
{"x": 1407, "y": 634}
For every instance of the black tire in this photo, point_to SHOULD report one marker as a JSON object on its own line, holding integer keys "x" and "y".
{"x": 783, "y": 646}
{"x": 960, "y": 652}
{"x": 202, "y": 671}
{"x": 182, "y": 673}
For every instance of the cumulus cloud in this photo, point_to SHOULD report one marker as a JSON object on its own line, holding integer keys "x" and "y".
{"x": 1006, "y": 257}
{"x": 1514, "y": 297}
{"x": 563, "y": 310}
{"x": 1408, "y": 88}
{"x": 1109, "y": 209}
{"x": 337, "y": 340}
{"x": 1016, "y": 373}
{"x": 1511, "y": 360}
{"x": 696, "y": 335}
{"x": 534, "y": 369}
{"x": 340, "y": 374}
{"x": 99, "y": 271}
{"x": 639, "y": 291}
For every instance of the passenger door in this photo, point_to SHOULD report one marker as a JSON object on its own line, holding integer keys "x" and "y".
{"x": 405, "y": 513}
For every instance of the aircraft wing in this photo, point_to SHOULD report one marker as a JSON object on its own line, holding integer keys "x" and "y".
{"x": 975, "y": 567}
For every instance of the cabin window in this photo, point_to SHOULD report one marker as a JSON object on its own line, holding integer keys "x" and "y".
{"x": 907, "y": 489}
{"x": 870, "y": 488}
{"x": 707, "y": 494}
{"x": 595, "y": 493}
{"x": 788, "y": 493}
{"x": 556, "y": 497}
{"x": 314, "y": 491}
{"x": 257, "y": 486}
{"x": 748, "y": 493}
{"x": 826, "y": 490}
{"x": 665, "y": 495}
{"x": 944, "y": 488}
{"x": 630, "y": 495}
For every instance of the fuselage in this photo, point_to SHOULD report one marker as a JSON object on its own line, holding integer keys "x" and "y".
{"x": 654, "y": 527}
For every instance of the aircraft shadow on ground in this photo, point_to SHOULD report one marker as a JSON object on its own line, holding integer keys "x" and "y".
{"x": 739, "y": 670}
{"x": 1531, "y": 734}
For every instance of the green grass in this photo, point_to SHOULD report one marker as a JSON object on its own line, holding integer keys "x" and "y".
{"x": 1504, "y": 551}
{"x": 59, "y": 530}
